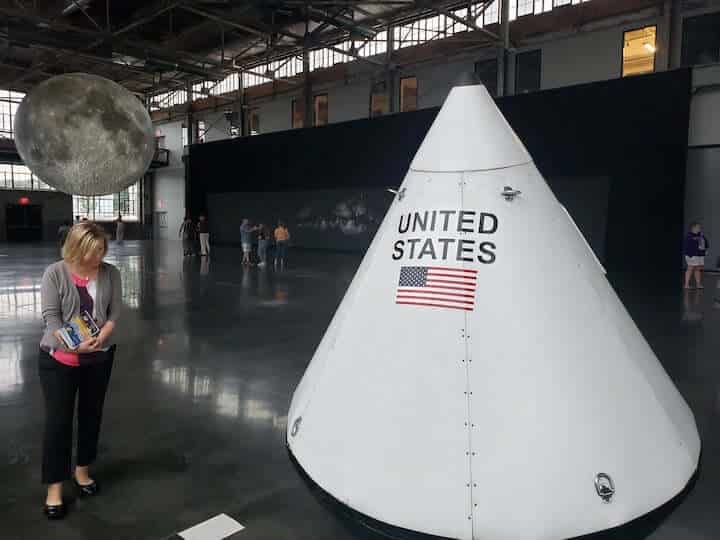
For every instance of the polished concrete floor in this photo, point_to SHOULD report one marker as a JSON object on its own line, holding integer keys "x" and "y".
{"x": 210, "y": 354}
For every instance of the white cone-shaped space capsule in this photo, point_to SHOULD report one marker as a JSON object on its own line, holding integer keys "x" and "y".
{"x": 481, "y": 379}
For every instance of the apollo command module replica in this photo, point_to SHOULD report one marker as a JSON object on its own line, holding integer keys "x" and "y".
{"x": 481, "y": 379}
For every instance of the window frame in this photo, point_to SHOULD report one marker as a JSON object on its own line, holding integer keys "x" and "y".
{"x": 293, "y": 109}
{"x": 622, "y": 50}
{"x": 417, "y": 93}
{"x": 316, "y": 102}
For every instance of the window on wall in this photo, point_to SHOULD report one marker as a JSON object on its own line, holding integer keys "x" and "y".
{"x": 108, "y": 207}
{"x": 9, "y": 102}
{"x": 379, "y": 104}
{"x": 408, "y": 94}
{"x": 528, "y": 67}
{"x": 19, "y": 177}
{"x": 320, "y": 108}
{"x": 701, "y": 40}
{"x": 487, "y": 72}
{"x": 254, "y": 122}
{"x": 298, "y": 113}
{"x": 639, "y": 48}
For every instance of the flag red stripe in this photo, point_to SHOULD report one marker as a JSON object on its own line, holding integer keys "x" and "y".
{"x": 436, "y": 305}
{"x": 432, "y": 275}
{"x": 439, "y": 299}
{"x": 431, "y": 268}
{"x": 449, "y": 281}
{"x": 434, "y": 293}
{"x": 471, "y": 289}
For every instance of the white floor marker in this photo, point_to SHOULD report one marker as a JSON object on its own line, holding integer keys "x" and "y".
{"x": 217, "y": 528}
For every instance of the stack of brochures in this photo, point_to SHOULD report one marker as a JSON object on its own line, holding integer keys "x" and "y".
{"x": 79, "y": 329}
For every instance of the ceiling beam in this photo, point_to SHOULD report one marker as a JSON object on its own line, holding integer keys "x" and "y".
{"x": 467, "y": 22}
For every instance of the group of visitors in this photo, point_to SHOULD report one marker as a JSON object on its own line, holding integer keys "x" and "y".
{"x": 195, "y": 236}
{"x": 258, "y": 242}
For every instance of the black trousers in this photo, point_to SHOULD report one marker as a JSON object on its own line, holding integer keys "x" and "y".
{"x": 60, "y": 385}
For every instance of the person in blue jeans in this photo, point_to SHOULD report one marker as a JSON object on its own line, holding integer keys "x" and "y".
{"x": 696, "y": 246}
{"x": 246, "y": 238}
{"x": 263, "y": 241}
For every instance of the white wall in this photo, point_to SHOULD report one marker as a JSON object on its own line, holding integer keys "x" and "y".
{"x": 347, "y": 101}
{"x": 275, "y": 113}
{"x": 435, "y": 80}
{"x": 702, "y": 188}
{"x": 169, "y": 188}
{"x": 705, "y": 107}
{"x": 217, "y": 127}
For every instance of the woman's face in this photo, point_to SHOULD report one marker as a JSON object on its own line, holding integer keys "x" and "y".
{"x": 696, "y": 229}
{"x": 94, "y": 258}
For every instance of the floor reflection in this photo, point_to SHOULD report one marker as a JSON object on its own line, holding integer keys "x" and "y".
{"x": 11, "y": 376}
{"x": 21, "y": 301}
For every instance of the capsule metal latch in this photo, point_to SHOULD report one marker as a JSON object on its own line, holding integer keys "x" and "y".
{"x": 605, "y": 487}
{"x": 509, "y": 193}
{"x": 296, "y": 426}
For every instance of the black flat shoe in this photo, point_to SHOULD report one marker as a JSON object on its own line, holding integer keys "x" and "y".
{"x": 89, "y": 490}
{"x": 55, "y": 512}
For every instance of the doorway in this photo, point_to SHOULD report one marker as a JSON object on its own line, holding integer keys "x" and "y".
{"x": 24, "y": 223}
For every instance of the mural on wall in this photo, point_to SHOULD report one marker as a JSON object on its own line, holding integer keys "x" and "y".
{"x": 344, "y": 219}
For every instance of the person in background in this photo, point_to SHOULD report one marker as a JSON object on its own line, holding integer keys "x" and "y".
{"x": 187, "y": 234}
{"x": 203, "y": 229}
{"x": 119, "y": 229}
{"x": 282, "y": 237}
{"x": 263, "y": 241}
{"x": 63, "y": 231}
{"x": 80, "y": 282}
{"x": 77, "y": 219}
{"x": 246, "y": 239}
{"x": 696, "y": 246}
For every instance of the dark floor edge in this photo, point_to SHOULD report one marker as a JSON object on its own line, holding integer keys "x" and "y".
{"x": 637, "y": 529}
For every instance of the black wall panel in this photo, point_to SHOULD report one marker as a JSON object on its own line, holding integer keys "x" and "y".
{"x": 614, "y": 153}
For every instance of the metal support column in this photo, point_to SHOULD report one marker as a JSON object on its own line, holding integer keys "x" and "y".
{"x": 307, "y": 87}
{"x": 242, "y": 109}
{"x": 190, "y": 120}
{"x": 390, "y": 71}
{"x": 503, "y": 55}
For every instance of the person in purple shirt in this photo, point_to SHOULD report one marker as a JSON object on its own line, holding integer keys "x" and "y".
{"x": 696, "y": 246}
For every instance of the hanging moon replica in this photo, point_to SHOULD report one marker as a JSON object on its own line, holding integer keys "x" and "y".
{"x": 481, "y": 379}
{"x": 84, "y": 135}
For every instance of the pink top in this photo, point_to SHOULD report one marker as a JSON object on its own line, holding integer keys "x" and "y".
{"x": 64, "y": 357}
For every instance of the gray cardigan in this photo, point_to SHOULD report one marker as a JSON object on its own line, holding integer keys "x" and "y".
{"x": 61, "y": 300}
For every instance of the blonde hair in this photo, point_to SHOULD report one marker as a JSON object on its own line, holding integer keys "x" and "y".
{"x": 83, "y": 239}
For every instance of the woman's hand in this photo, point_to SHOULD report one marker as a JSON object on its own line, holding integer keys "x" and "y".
{"x": 88, "y": 346}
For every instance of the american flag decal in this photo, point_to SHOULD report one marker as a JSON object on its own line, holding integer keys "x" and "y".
{"x": 438, "y": 287}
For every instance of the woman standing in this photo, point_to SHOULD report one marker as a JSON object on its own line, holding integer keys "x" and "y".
{"x": 119, "y": 230}
{"x": 263, "y": 240}
{"x": 187, "y": 233}
{"x": 203, "y": 229}
{"x": 81, "y": 282}
{"x": 696, "y": 246}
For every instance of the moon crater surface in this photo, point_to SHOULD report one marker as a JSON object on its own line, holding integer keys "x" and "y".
{"x": 84, "y": 134}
